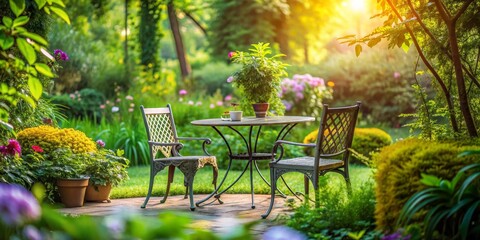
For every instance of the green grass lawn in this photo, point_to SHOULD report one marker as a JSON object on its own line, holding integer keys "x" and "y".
{"x": 137, "y": 185}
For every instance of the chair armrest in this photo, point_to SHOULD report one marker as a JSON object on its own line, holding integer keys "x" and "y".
{"x": 152, "y": 143}
{"x": 205, "y": 142}
{"x": 279, "y": 143}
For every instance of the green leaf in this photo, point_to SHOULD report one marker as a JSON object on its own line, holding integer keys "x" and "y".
{"x": 58, "y": 2}
{"x": 44, "y": 69}
{"x": 405, "y": 47}
{"x": 62, "y": 14}
{"x": 40, "y": 3}
{"x": 6, "y": 42}
{"x": 20, "y": 21}
{"x": 358, "y": 49}
{"x": 29, "y": 100}
{"x": 430, "y": 180}
{"x": 467, "y": 220}
{"x": 35, "y": 37}
{"x": 8, "y": 22}
{"x": 36, "y": 87}
{"x": 27, "y": 50}
{"x": 17, "y": 6}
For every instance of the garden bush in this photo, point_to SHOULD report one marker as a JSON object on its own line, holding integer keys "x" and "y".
{"x": 338, "y": 215}
{"x": 214, "y": 76}
{"x": 50, "y": 138}
{"x": 81, "y": 104}
{"x": 399, "y": 169}
{"x": 365, "y": 141}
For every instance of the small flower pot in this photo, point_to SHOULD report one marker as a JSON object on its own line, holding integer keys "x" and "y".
{"x": 97, "y": 193}
{"x": 72, "y": 191}
{"x": 260, "y": 109}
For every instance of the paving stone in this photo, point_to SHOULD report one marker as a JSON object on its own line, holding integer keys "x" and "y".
{"x": 217, "y": 217}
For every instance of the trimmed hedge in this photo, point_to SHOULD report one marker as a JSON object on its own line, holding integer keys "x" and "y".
{"x": 399, "y": 168}
{"x": 365, "y": 141}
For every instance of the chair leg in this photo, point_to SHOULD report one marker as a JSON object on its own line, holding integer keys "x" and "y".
{"x": 349, "y": 186}
{"x": 273, "y": 187}
{"x": 190, "y": 193}
{"x": 150, "y": 187}
{"x": 171, "y": 172}
{"x": 306, "y": 184}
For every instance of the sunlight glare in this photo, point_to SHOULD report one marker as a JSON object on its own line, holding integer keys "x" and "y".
{"x": 358, "y": 5}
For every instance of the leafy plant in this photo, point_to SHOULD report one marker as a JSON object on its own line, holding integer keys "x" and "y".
{"x": 106, "y": 166}
{"x": 260, "y": 77}
{"x": 452, "y": 207}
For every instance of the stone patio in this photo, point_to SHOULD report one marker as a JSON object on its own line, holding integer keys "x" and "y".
{"x": 219, "y": 218}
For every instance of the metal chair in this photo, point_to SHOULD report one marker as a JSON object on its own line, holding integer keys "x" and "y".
{"x": 163, "y": 140}
{"x": 331, "y": 151}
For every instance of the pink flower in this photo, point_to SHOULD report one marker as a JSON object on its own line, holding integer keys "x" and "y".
{"x": 12, "y": 148}
{"x": 129, "y": 97}
{"x": 119, "y": 100}
{"x": 231, "y": 54}
{"x": 219, "y": 103}
{"x": 228, "y": 98}
{"x": 396, "y": 74}
{"x": 102, "y": 106}
{"x": 182, "y": 92}
{"x": 198, "y": 103}
{"x": 230, "y": 79}
{"x": 37, "y": 148}
{"x": 212, "y": 105}
{"x": 100, "y": 143}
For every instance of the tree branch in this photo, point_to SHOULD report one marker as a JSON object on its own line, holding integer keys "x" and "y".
{"x": 462, "y": 10}
{"x": 196, "y": 22}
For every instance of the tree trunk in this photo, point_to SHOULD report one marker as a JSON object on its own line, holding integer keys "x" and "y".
{"x": 177, "y": 37}
{"x": 305, "y": 51}
{"x": 462, "y": 92}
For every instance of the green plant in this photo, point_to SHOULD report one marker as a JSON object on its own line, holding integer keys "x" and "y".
{"x": 399, "y": 169}
{"x": 338, "y": 215}
{"x": 107, "y": 167}
{"x": 260, "y": 77}
{"x": 62, "y": 163}
{"x": 452, "y": 208}
{"x": 80, "y": 104}
{"x": 367, "y": 141}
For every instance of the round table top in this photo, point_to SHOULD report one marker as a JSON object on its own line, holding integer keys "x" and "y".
{"x": 253, "y": 121}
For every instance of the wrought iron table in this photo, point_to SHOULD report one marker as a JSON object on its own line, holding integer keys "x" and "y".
{"x": 251, "y": 155}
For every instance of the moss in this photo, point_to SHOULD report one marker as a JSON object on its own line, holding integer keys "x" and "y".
{"x": 399, "y": 168}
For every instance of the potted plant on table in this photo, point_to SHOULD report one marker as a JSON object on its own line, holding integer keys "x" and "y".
{"x": 106, "y": 169}
{"x": 259, "y": 79}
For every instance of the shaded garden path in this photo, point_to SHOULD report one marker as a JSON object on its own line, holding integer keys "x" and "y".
{"x": 220, "y": 218}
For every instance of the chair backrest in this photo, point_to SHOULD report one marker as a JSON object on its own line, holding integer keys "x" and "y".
{"x": 160, "y": 127}
{"x": 335, "y": 133}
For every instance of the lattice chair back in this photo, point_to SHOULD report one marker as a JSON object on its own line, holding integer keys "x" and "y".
{"x": 160, "y": 127}
{"x": 336, "y": 130}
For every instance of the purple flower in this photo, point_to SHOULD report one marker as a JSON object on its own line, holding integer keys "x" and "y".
{"x": 283, "y": 233}
{"x": 398, "y": 235}
{"x": 396, "y": 75}
{"x": 100, "y": 143}
{"x": 12, "y": 148}
{"x": 182, "y": 92}
{"x": 31, "y": 232}
{"x": 60, "y": 55}
{"x": 17, "y": 205}
{"x": 230, "y": 79}
{"x": 228, "y": 98}
{"x": 288, "y": 105}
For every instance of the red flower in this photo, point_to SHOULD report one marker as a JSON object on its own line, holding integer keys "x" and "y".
{"x": 231, "y": 54}
{"x": 37, "y": 148}
{"x": 12, "y": 148}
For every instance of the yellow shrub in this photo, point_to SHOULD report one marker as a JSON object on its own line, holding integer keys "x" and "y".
{"x": 50, "y": 138}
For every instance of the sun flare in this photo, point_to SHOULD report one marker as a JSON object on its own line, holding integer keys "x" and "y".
{"x": 358, "y": 5}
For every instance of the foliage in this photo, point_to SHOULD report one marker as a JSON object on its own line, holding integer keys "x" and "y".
{"x": 60, "y": 163}
{"x": 452, "y": 207}
{"x": 237, "y": 24}
{"x": 83, "y": 103}
{"x": 380, "y": 79}
{"x": 212, "y": 76}
{"x": 338, "y": 215}
{"x": 106, "y": 166}
{"x": 304, "y": 94}
{"x": 27, "y": 219}
{"x": 399, "y": 169}
{"x": 149, "y": 34}
{"x": 50, "y": 138}
{"x": 365, "y": 141}
{"x": 21, "y": 71}
{"x": 259, "y": 78}
{"x": 445, "y": 35}
{"x": 12, "y": 169}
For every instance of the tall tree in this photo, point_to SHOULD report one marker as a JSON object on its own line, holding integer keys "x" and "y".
{"x": 237, "y": 24}
{"x": 446, "y": 35}
{"x": 177, "y": 37}
{"x": 149, "y": 34}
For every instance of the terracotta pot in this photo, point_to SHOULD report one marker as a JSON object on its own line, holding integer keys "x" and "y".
{"x": 98, "y": 193}
{"x": 260, "y": 109}
{"x": 72, "y": 191}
